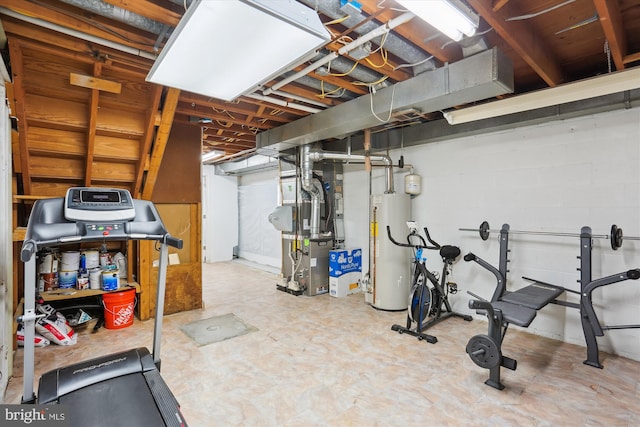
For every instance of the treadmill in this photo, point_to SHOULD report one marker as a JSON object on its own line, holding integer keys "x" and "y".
{"x": 119, "y": 389}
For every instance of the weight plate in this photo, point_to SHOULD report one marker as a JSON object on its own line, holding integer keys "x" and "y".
{"x": 615, "y": 237}
{"x": 484, "y": 230}
{"x": 484, "y": 351}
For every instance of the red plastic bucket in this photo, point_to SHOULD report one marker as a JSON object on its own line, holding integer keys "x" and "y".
{"x": 119, "y": 309}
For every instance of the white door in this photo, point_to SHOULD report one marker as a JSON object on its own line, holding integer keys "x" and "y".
{"x": 6, "y": 239}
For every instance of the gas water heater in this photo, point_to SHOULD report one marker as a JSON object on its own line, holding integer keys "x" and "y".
{"x": 390, "y": 265}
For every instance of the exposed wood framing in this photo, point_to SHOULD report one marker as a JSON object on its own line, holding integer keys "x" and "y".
{"x": 522, "y": 39}
{"x": 160, "y": 143}
{"x": 94, "y": 83}
{"x": 146, "y": 143}
{"x": 611, "y": 21}
{"x": 91, "y": 127}
{"x": 17, "y": 62}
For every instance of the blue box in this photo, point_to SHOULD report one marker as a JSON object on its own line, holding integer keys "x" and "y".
{"x": 342, "y": 261}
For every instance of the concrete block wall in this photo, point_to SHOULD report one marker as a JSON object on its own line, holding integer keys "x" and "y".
{"x": 557, "y": 176}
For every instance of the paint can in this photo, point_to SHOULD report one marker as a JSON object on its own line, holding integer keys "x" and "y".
{"x": 92, "y": 259}
{"x": 70, "y": 261}
{"x": 105, "y": 259}
{"x": 82, "y": 283}
{"x": 110, "y": 280}
{"x": 95, "y": 278}
{"x": 67, "y": 279}
{"x": 48, "y": 282}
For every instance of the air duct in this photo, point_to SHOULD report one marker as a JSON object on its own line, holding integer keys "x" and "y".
{"x": 313, "y": 190}
{"x": 482, "y": 76}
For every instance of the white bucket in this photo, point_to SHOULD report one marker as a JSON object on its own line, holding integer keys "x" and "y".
{"x": 95, "y": 278}
{"x": 92, "y": 259}
{"x": 67, "y": 279}
{"x": 110, "y": 280}
{"x": 70, "y": 261}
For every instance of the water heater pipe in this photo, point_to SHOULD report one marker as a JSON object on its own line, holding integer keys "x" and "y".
{"x": 320, "y": 155}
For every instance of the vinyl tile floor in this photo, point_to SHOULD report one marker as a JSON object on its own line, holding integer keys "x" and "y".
{"x": 324, "y": 361}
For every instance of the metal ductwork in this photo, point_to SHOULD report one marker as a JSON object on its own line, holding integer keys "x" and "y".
{"x": 110, "y": 11}
{"x": 251, "y": 164}
{"x": 482, "y": 76}
{"x": 321, "y": 155}
{"x": 314, "y": 191}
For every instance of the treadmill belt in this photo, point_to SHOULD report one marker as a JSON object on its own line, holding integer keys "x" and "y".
{"x": 122, "y": 401}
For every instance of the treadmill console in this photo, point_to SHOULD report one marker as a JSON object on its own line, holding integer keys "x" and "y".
{"x": 98, "y": 205}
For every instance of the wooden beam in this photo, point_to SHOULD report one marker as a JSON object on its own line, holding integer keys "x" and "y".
{"x": 631, "y": 58}
{"x": 152, "y": 113}
{"x": 91, "y": 126}
{"x": 94, "y": 83}
{"x": 118, "y": 34}
{"x": 17, "y": 62}
{"x": 611, "y": 21}
{"x": 148, "y": 9}
{"x": 498, "y": 4}
{"x": 242, "y": 107}
{"x": 417, "y": 32}
{"x": 160, "y": 143}
{"x": 523, "y": 39}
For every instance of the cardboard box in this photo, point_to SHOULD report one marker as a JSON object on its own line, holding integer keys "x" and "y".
{"x": 345, "y": 271}
{"x": 344, "y": 285}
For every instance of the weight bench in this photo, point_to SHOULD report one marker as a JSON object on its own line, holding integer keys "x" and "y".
{"x": 520, "y": 308}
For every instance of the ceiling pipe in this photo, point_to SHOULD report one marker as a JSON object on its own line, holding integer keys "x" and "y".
{"x": 399, "y": 47}
{"x": 321, "y": 155}
{"x": 80, "y": 35}
{"x": 382, "y": 29}
{"x": 110, "y": 11}
{"x": 299, "y": 98}
{"x": 282, "y": 103}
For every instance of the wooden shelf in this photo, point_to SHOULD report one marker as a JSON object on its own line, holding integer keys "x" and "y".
{"x": 65, "y": 294}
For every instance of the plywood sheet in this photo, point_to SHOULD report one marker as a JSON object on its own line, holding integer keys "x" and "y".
{"x": 179, "y": 175}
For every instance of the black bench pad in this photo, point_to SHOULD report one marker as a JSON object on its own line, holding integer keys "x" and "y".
{"x": 534, "y": 296}
{"x": 514, "y": 313}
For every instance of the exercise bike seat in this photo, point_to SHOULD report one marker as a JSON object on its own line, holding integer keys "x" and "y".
{"x": 449, "y": 253}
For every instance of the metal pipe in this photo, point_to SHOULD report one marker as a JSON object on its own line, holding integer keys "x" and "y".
{"x": 307, "y": 185}
{"x": 320, "y": 155}
{"x": 405, "y": 17}
{"x": 282, "y": 103}
{"x": 77, "y": 34}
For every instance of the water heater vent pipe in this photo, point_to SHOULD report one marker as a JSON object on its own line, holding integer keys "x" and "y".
{"x": 321, "y": 155}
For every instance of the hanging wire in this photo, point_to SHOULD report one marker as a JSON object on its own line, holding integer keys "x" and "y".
{"x": 607, "y": 51}
{"x": 372, "y": 93}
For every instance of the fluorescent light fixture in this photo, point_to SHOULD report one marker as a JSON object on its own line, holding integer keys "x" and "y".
{"x": 227, "y": 48}
{"x": 570, "y": 92}
{"x": 212, "y": 155}
{"x": 451, "y": 17}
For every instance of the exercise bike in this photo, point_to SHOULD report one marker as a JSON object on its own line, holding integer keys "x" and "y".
{"x": 428, "y": 298}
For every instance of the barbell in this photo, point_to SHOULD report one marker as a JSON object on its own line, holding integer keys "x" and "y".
{"x": 615, "y": 236}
